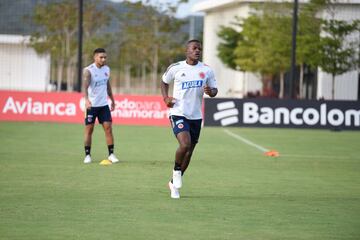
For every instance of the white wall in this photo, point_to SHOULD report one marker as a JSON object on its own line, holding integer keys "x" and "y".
{"x": 231, "y": 83}
{"x": 21, "y": 68}
{"x": 346, "y": 85}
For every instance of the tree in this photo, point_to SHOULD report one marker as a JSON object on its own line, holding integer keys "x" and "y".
{"x": 96, "y": 16}
{"x": 263, "y": 45}
{"x": 58, "y": 28}
{"x": 58, "y": 34}
{"x": 337, "y": 53}
{"x": 308, "y": 38}
{"x": 357, "y": 23}
{"x": 230, "y": 38}
{"x": 147, "y": 38}
{"x": 278, "y": 46}
{"x": 273, "y": 41}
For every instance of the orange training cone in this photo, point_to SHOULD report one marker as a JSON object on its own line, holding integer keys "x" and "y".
{"x": 272, "y": 153}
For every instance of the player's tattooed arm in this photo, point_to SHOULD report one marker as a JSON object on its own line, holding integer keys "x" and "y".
{"x": 86, "y": 84}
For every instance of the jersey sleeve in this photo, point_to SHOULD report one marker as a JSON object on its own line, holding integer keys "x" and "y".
{"x": 211, "y": 81}
{"x": 169, "y": 75}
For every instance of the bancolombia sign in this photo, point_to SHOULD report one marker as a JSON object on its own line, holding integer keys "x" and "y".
{"x": 69, "y": 107}
{"x": 282, "y": 113}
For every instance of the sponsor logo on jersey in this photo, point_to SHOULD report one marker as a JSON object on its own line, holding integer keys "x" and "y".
{"x": 179, "y": 121}
{"x": 183, "y": 75}
{"x": 192, "y": 84}
{"x": 202, "y": 75}
{"x": 101, "y": 82}
{"x": 180, "y": 126}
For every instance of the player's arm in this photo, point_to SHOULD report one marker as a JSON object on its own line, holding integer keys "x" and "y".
{"x": 210, "y": 86}
{"x": 86, "y": 84}
{"x": 212, "y": 92}
{"x": 110, "y": 94}
{"x": 167, "y": 78}
{"x": 169, "y": 101}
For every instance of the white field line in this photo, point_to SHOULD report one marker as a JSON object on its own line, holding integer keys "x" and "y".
{"x": 317, "y": 156}
{"x": 262, "y": 149}
{"x": 244, "y": 140}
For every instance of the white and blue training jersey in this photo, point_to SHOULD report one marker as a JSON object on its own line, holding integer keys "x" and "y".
{"x": 97, "y": 90}
{"x": 189, "y": 82}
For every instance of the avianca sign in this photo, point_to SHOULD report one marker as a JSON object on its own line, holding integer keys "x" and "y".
{"x": 31, "y": 107}
{"x": 69, "y": 107}
{"x": 282, "y": 113}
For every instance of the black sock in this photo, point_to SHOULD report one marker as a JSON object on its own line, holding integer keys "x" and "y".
{"x": 87, "y": 150}
{"x": 111, "y": 149}
{"x": 177, "y": 167}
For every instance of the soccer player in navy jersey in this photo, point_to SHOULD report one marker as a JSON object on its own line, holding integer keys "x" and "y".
{"x": 191, "y": 79}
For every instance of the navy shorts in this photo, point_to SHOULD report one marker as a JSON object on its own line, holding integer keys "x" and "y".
{"x": 181, "y": 124}
{"x": 101, "y": 113}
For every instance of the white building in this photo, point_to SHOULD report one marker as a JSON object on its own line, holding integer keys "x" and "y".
{"x": 21, "y": 68}
{"x": 237, "y": 84}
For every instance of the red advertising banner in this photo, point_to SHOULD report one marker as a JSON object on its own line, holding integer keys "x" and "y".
{"x": 69, "y": 107}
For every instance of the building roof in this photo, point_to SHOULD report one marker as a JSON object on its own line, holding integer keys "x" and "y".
{"x": 211, "y": 5}
{"x": 14, "y": 39}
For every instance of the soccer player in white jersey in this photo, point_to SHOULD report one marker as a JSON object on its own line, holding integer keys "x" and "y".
{"x": 192, "y": 79}
{"x": 96, "y": 90}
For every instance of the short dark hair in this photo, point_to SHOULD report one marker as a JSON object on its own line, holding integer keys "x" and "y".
{"x": 193, "y": 40}
{"x": 99, "y": 50}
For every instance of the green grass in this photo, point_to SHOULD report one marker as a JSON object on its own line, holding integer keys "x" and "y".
{"x": 231, "y": 191}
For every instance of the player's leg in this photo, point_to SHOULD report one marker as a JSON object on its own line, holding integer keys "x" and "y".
{"x": 106, "y": 121}
{"x": 107, "y": 126}
{"x": 184, "y": 140}
{"x": 87, "y": 142}
{"x": 89, "y": 128}
{"x": 110, "y": 141}
{"x": 187, "y": 158}
{"x": 184, "y": 147}
{"x": 180, "y": 128}
{"x": 181, "y": 131}
{"x": 88, "y": 137}
{"x": 195, "y": 128}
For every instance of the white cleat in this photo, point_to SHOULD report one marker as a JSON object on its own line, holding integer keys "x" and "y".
{"x": 174, "y": 192}
{"x": 113, "y": 158}
{"x": 177, "y": 179}
{"x": 87, "y": 159}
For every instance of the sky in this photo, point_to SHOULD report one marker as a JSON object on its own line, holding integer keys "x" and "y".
{"x": 184, "y": 9}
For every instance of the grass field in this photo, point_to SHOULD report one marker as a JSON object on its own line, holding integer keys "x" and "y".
{"x": 231, "y": 191}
